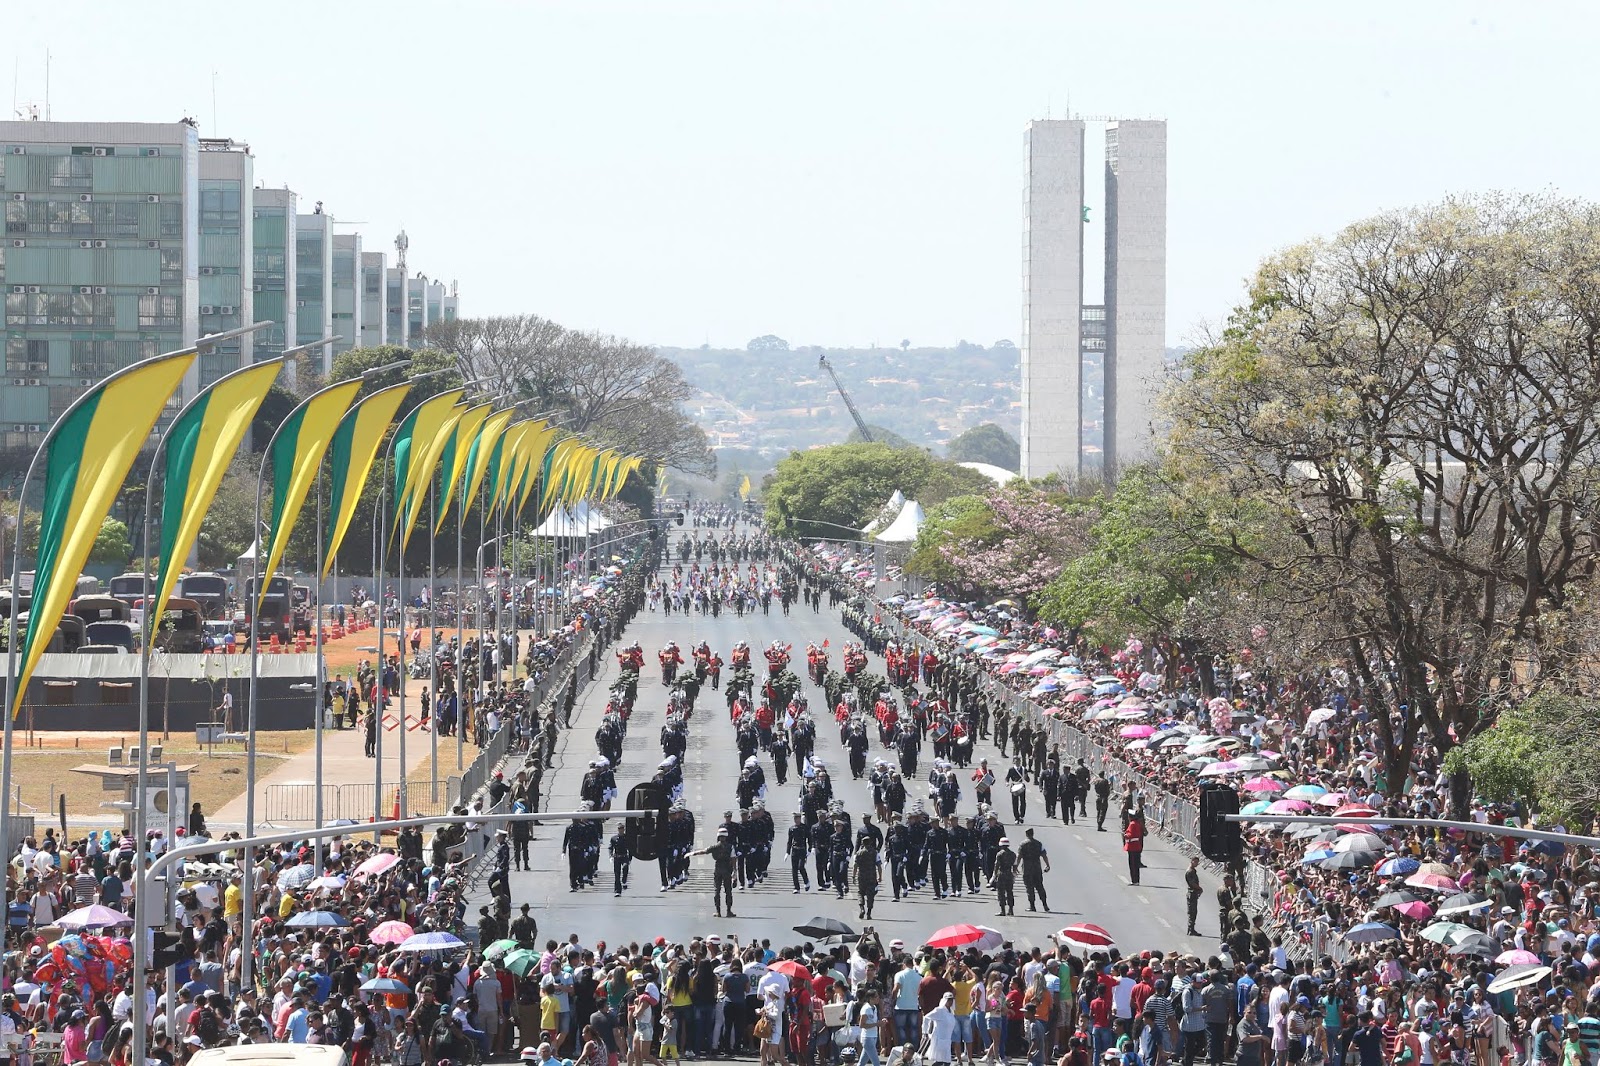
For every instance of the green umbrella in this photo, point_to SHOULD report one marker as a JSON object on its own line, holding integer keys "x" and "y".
{"x": 519, "y": 962}
{"x": 1447, "y": 932}
{"x": 499, "y": 948}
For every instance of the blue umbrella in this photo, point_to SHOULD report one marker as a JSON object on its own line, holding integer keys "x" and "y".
{"x": 1107, "y": 690}
{"x": 1398, "y": 867}
{"x": 431, "y": 942}
{"x": 317, "y": 919}
{"x": 1550, "y": 847}
{"x": 1314, "y": 857}
{"x": 1370, "y": 933}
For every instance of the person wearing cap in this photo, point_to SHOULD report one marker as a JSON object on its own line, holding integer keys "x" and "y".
{"x": 1003, "y": 879}
{"x": 722, "y": 872}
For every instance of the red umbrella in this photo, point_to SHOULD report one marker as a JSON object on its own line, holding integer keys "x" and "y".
{"x": 791, "y": 968}
{"x": 955, "y": 936}
{"x": 1086, "y": 935}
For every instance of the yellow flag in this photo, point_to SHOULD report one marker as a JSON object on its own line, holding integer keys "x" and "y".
{"x": 426, "y": 453}
{"x": 494, "y": 427}
{"x": 538, "y": 445}
{"x": 453, "y": 461}
{"x": 91, "y": 449}
{"x": 355, "y": 449}
{"x": 744, "y": 488}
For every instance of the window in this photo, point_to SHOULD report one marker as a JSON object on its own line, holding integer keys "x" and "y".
{"x": 171, "y": 219}
{"x": 72, "y": 171}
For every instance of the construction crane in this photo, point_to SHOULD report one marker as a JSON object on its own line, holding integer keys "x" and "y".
{"x": 861, "y": 424}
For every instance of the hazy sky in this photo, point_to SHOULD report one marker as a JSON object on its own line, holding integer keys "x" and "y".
{"x": 836, "y": 173}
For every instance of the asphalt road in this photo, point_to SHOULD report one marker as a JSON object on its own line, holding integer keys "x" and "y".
{"x": 1088, "y": 881}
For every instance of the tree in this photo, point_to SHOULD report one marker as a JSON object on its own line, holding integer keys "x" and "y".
{"x": 1005, "y": 344}
{"x": 227, "y": 530}
{"x": 828, "y": 492}
{"x": 1544, "y": 752}
{"x": 1411, "y": 410}
{"x": 1034, "y": 533}
{"x": 986, "y": 443}
{"x": 768, "y": 343}
{"x": 358, "y": 361}
{"x": 905, "y": 345}
{"x": 960, "y": 520}
{"x": 613, "y": 392}
{"x": 880, "y": 434}
{"x": 112, "y": 546}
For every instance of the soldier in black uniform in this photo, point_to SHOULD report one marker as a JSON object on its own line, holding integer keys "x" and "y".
{"x": 917, "y": 846}
{"x": 1068, "y": 788}
{"x": 521, "y": 835}
{"x": 989, "y": 843}
{"x": 1102, "y": 800}
{"x": 866, "y": 870}
{"x": 722, "y": 857}
{"x": 779, "y": 748}
{"x": 1003, "y": 880}
{"x": 821, "y": 846}
{"x": 765, "y": 833}
{"x": 621, "y": 858}
{"x": 938, "y": 846}
{"x": 1191, "y": 881}
{"x": 839, "y": 852}
{"x": 971, "y": 855}
{"x": 906, "y": 744}
{"x": 1035, "y": 861}
{"x": 895, "y": 845}
{"x": 957, "y": 841}
{"x": 1081, "y": 772}
{"x": 1049, "y": 782}
{"x": 798, "y": 846}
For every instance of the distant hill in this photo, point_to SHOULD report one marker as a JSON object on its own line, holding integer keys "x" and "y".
{"x": 769, "y": 400}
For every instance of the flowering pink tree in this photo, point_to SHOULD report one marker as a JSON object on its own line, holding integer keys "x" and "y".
{"x": 1035, "y": 533}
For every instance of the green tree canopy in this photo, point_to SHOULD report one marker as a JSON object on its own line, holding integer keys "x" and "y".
{"x": 828, "y": 492}
{"x": 880, "y": 435}
{"x": 958, "y": 520}
{"x": 1544, "y": 752}
{"x": 112, "y": 546}
{"x": 986, "y": 443}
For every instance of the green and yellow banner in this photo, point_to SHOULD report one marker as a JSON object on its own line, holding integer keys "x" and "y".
{"x": 354, "y": 450}
{"x": 494, "y": 427}
{"x": 92, "y": 448}
{"x": 296, "y": 457}
{"x": 200, "y": 447}
{"x": 453, "y": 460}
{"x": 416, "y": 433}
{"x": 538, "y": 444}
{"x": 424, "y": 458}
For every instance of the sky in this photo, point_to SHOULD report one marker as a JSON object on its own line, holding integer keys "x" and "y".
{"x": 839, "y": 173}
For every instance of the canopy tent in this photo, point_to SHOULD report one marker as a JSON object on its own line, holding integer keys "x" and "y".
{"x": 578, "y": 521}
{"x": 893, "y": 507}
{"x": 997, "y": 474}
{"x": 903, "y": 530}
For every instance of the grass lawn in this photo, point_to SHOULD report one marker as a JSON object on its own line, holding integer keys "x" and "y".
{"x": 42, "y": 775}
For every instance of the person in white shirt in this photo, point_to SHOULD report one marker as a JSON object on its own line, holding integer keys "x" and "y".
{"x": 939, "y": 1026}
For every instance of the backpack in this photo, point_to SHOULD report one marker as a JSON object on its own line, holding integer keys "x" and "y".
{"x": 208, "y": 1027}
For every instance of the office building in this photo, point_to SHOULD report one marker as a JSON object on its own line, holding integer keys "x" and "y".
{"x": 1061, "y": 334}
{"x": 273, "y": 242}
{"x": 346, "y": 273}
{"x": 227, "y": 260}
{"x": 374, "y": 300}
{"x": 1136, "y": 287}
{"x": 1052, "y": 283}
{"x": 313, "y": 284}
{"x": 99, "y": 264}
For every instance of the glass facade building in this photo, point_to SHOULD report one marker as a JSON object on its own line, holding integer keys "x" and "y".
{"x": 99, "y": 261}
{"x": 313, "y": 285}
{"x": 346, "y": 274}
{"x": 273, "y": 244}
{"x": 227, "y": 267}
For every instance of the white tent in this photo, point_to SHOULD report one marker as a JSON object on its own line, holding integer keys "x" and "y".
{"x": 885, "y": 513}
{"x": 903, "y": 530}
{"x": 997, "y": 474}
{"x": 581, "y": 521}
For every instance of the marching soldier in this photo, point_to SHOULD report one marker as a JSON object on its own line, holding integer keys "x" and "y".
{"x": 866, "y": 868}
{"x": 1003, "y": 881}
{"x": 798, "y": 846}
{"x": 621, "y": 858}
{"x": 722, "y": 872}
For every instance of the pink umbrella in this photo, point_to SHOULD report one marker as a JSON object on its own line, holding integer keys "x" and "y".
{"x": 1418, "y": 910}
{"x": 1355, "y": 810}
{"x": 1288, "y": 807}
{"x": 377, "y": 864}
{"x": 1435, "y": 882}
{"x": 1518, "y": 957}
{"x": 1332, "y": 799}
{"x": 1137, "y": 731}
{"x": 1264, "y": 784}
{"x": 1077, "y": 697}
{"x": 392, "y": 933}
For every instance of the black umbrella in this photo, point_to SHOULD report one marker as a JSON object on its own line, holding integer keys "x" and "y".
{"x": 1394, "y": 899}
{"x": 823, "y": 928}
{"x": 1350, "y": 860}
{"x": 1464, "y": 903}
{"x": 1477, "y": 944}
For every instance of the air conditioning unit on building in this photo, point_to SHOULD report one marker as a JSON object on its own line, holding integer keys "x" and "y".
{"x": 33, "y": 288}
{"x": 19, "y": 244}
{"x": 85, "y": 198}
{"x": 152, "y": 152}
{"x": 19, "y": 288}
{"x": 101, "y": 244}
{"x": 19, "y": 196}
{"x": 84, "y": 383}
{"x": 257, "y": 287}
{"x": 19, "y": 382}
{"x": 36, "y": 428}
{"x": 152, "y": 199}
{"x": 85, "y": 244}
{"x": 35, "y": 382}
{"x": 152, "y": 290}
{"x": 207, "y": 309}
{"x": 85, "y": 290}
{"x": 102, "y": 151}
{"x": 17, "y": 149}
{"x": 152, "y": 244}
{"x": 206, "y": 272}
{"x": 228, "y": 309}
{"x": 99, "y": 290}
